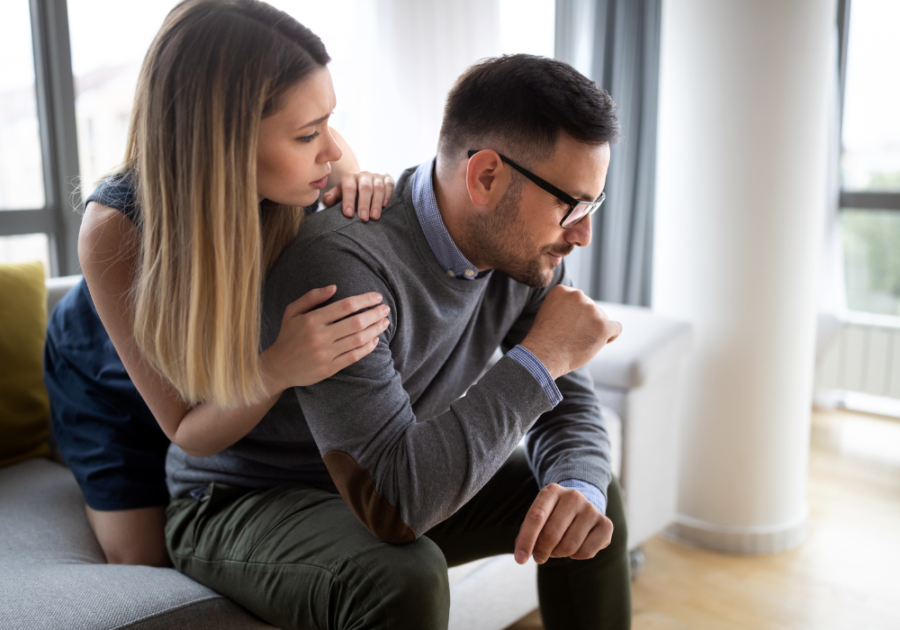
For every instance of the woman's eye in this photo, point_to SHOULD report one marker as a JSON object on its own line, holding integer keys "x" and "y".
{"x": 309, "y": 138}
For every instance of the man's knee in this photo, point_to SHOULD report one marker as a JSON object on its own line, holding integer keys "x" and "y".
{"x": 408, "y": 584}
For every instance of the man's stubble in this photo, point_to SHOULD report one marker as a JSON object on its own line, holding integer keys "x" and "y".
{"x": 499, "y": 240}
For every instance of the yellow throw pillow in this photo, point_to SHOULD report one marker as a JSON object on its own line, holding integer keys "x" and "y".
{"x": 24, "y": 405}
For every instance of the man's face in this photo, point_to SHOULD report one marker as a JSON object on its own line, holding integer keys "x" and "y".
{"x": 522, "y": 236}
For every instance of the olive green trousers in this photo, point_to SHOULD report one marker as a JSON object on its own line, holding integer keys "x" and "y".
{"x": 298, "y": 558}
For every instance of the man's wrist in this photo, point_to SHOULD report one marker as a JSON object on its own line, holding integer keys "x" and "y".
{"x": 590, "y": 492}
{"x": 524, "y": 357}
{"x": 550, "y": 360}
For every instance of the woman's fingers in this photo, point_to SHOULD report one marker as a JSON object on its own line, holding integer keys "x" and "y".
{"x": 365, "y": 191}
{"x": 388, "y": 189}
{"x": 346, "y": 307}
{"x": 377, "y": 197}
{"x": 349, "y": 358}
{"x": 360, "y": 339}
{"x": 348, "y": 192}
{"x": 370, "y": 193}
{"x": 358, "y": 322}
{"x": 309, "y": 301}
{"x": 331, "y": 197}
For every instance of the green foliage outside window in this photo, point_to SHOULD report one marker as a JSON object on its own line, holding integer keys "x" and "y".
{"x": 872, "y": 254}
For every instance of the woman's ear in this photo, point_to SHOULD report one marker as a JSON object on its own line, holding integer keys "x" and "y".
{"x": 486, "y": 178}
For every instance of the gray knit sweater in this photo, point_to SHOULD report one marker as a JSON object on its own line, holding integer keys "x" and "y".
{"x": 407, "y": 435}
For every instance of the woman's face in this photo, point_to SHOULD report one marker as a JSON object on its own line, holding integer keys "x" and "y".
{"x": 295, "y": 144}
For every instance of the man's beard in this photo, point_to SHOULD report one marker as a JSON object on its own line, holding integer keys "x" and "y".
{"x": 500, "y": 241}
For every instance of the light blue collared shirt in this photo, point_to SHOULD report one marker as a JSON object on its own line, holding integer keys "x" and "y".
{"x": 455, "y": 264}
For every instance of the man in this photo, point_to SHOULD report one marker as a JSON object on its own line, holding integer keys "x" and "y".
{"x": 469, "y": 257}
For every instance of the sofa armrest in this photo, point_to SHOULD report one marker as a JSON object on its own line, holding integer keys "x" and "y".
{"x": 649, "y": 345}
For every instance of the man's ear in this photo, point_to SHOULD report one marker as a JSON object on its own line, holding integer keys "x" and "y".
{"x": 486, "y": 178}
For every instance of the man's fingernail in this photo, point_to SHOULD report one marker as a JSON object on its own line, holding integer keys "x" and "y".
{"x": 521, "y": 557}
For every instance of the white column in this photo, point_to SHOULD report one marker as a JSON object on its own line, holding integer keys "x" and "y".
{"x": 740, "y": 193}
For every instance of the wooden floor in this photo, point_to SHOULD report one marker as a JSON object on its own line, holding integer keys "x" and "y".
{"x": 846, "y": 576}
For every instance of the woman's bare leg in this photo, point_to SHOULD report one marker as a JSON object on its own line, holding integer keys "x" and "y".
{"x": 132, "y": 536}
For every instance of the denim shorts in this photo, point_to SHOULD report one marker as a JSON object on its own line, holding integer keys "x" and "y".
{"x": 104, "y": 429}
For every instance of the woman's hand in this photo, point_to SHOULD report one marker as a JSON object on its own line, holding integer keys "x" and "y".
{"x": 316, "y": 344}
{"x": 374, "y": 194}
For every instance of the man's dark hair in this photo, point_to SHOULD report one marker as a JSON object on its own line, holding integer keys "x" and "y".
{"x": 519, "y": 104}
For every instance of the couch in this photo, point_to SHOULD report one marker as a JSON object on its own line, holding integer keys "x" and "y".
{"x": 54, "y": 575}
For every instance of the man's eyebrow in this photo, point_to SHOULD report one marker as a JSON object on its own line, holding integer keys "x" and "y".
{"x": 315, "y": 122}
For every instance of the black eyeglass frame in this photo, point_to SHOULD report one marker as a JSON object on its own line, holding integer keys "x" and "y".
{"x": 566, "y": 198}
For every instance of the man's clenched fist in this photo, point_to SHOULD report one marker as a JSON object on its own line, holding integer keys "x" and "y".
{"x": 569, "y": 331}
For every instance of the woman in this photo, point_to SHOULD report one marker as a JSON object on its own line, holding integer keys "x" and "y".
{"x": 229, "y": 140}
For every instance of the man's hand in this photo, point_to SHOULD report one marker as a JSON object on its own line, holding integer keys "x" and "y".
{"x": 568, "y": 331}
{"x": 562, "y": 523}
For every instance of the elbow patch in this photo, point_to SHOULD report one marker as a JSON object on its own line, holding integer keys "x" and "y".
{"x": 358, "y": 491}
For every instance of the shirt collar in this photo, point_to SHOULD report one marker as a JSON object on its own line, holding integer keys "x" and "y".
{"x": 445, "y": 250}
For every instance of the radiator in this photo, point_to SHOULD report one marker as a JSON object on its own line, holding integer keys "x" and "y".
{"x": 860, "y": 354}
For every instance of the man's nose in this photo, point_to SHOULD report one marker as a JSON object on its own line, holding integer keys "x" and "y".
{"x": 580, "y": 233}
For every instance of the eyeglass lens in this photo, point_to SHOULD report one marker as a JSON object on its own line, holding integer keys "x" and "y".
{"x": 578, "y": 213}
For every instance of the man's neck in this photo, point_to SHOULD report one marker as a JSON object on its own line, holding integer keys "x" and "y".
{"x": 452, "y": 207}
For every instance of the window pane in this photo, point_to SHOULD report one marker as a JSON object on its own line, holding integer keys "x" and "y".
{"x": 872, "y": 260}
{"x": 104, "y": 82}
{"x": 871, "y": 142}
{"x": 21, "y": 170}
{"x": 25, "y": 248}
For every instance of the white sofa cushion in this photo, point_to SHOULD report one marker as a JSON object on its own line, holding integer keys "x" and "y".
{"x": 650, "y": 344}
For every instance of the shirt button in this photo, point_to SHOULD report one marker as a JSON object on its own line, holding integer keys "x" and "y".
{"x": 450, "y": 273}
{"x": 469, "y": 273}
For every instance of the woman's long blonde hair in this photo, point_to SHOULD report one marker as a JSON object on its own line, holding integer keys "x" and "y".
{"x": 214, "y": 70}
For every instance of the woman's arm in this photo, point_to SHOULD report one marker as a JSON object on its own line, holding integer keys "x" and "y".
{"x": 312, "y": 345}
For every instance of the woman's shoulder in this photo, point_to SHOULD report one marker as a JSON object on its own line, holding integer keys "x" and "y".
{"x": 118, "y": 191}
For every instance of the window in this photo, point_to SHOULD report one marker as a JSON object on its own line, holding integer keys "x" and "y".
{"x": 21, "y": 167}
{"x": 104, "y": 82}
{"x": 870, "y": 159}
{"x": 38, "y": 149}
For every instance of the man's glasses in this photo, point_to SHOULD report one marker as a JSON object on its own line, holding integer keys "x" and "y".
{"x": 578, "y": 209}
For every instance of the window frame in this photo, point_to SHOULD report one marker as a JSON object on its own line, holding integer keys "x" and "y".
{"x": 855, "y": 199}
{"x": 55, "y": 95}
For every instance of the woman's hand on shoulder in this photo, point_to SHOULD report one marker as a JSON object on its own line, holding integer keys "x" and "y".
{"x": 316, "y": 344}
{"x": 374, "y": 192}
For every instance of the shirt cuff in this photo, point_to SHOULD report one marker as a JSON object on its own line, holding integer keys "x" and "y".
{"x": 523, "y": 357}
{"x": 591, "y": 492}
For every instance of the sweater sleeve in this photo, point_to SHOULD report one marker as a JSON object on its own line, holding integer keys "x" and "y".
{"x": 570, "y": 441}
{"x": 400, "y": 474}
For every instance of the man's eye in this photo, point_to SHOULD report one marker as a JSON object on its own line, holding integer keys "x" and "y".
{"x": 309, "y": 138}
